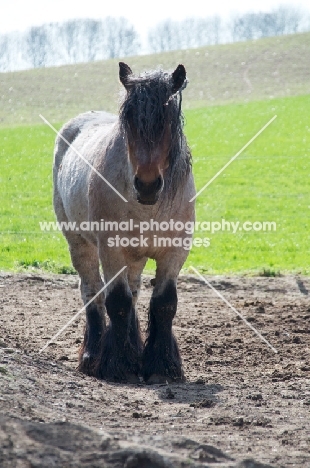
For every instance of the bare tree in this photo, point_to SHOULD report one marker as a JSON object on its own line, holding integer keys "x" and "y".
{"x": 208, "y": 31}
{"x": 189, "y": 33}
{"x": 243, "y": 27}
{"x": 164, "y": 36}
{"x": 282, "y": 20}
{"x": 92, "y": 39}
{"x": 70, "y": 40}
{"x": 287, "y": 19}
{"x": 264, "y": 24}
{"x": 4, "y": 52}
{"x": 120, "y": 37}
{"x": 189, "y": 30}
{"x": 37, "y": 43}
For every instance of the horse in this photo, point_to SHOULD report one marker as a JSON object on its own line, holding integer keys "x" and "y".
{"x": 144, "y": 158}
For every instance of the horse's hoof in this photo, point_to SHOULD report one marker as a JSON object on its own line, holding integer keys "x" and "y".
{"x": 133, "y": 378}
{"x": 127, "y": 378}
{"x": 160, "y": 379}
{"x": 87, "y": 364}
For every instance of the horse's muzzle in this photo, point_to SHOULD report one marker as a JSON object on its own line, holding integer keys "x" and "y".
{"x": 148, "y": 193}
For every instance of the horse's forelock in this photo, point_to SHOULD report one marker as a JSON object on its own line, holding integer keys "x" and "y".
{"x": 144, "y": 108}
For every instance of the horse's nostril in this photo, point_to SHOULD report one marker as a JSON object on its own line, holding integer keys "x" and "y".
{"x": 159, "y": 183}
{"x": 138, "y": 184}
{"x": 149, "y": 189}
{"x": 152, "y": 186}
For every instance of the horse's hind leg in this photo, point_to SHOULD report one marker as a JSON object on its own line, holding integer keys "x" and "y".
{"x": 161, "y": 360}
{"x": 85, "y": 260}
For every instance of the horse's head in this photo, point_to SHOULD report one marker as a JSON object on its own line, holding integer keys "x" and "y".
{"x": 151, "y": 117}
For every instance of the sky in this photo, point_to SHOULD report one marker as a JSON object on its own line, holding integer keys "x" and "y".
{"x": 21, "y": 14}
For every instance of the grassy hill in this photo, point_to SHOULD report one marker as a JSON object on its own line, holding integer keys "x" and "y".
{"x": 240, "y": 72}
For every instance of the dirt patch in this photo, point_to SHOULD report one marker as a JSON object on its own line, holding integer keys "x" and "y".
{"x": 241, "y": 401}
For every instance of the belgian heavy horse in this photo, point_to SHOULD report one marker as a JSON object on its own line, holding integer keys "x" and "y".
{"x": 144, "y": 155}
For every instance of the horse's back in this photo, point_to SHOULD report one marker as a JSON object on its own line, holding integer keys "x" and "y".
{"x": 88, "y": 121}
{"x": 71, "y": 173}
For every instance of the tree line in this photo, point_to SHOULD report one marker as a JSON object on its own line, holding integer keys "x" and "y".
{"x": 86, "y": 40}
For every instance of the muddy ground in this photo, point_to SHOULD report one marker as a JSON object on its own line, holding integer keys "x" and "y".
{"x": 242, "y": 405}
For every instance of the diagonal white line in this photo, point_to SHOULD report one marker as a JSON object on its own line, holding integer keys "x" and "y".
{"x": 233, "y": 308}
{"x": 80, "y": 311}
{"x": 82, "y": 157}
{"x": 233, "y": 158}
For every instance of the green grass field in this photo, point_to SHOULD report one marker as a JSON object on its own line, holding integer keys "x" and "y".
{"x": 268, "y": 182}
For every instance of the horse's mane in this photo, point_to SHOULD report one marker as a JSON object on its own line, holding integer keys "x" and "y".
{"x": 148, "y": 107}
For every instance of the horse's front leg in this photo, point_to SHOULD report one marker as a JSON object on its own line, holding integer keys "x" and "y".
{"x": 121, "y": 347}
{"x": 85, "y": 259}
{"x": 161, "y": 360}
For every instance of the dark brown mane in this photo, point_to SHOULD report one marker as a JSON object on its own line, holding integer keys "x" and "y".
{"x": 149, "y": 106}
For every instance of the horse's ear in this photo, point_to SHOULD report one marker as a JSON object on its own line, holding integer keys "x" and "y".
{"x": 124, "y": 72}
{"x": 178, "y": 78}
